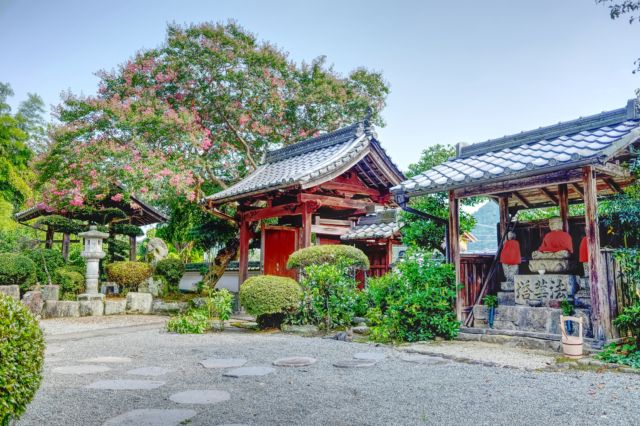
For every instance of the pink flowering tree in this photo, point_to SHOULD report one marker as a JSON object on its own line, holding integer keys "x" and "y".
{"x": 194, "y": 116}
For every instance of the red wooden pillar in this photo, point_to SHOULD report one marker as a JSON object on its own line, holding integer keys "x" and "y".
{"x": 600, "y": 313}
{"x": 243, "y": 270}
{"x": 306, "y": 226}
{"x": 454, "y": 242}
{"x": 563, "y": 201}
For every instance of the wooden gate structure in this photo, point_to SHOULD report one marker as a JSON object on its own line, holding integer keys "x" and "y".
{"x": 322, "y": 186}
{"x": 574, "y": 162}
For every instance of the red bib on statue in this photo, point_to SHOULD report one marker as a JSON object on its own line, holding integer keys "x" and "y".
{"x": 584, "y": 251}
{"x": 557, "y": 241}
{"x": 511, "y": 253}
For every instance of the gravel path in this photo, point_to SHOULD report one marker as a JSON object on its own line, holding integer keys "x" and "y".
{"x": 517, "y": 357}
{"x": 73, "y": 325}
{"x": 393, "y": 392}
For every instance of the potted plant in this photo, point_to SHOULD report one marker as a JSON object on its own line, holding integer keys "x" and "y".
{"x": 568, "y": 310}
{"x": 491, "y": 302}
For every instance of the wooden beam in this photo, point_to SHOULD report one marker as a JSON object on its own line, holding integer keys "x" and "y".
{"x": 578, "y": 190}
{"x": 329, "y": 230}
{"x": 348, "y": 187}
{"x": 132, "y": 249}
{"x": 66, "y": 240}
{"x": 335, "y": 201}
{"x": 49, "y": 237}
{"x": 612, "y": 169}
{"x": 454, "y": 246}
{"x": 243, "y": 269}
{"x": 516, "y": 184}
{"x": 549, "y": 195}
{"x": 613, "y": 185}
{"x": 278, "y": 211}
{"x": 335, "y": 222}
{"x": 563, "y": 200}
{"x": 520, "y": 198}
{"x": 306, "y": 226}
{"x": 503, "y": 203}
{"x": 221, "y": 215}
{"x": 600, "y": 313}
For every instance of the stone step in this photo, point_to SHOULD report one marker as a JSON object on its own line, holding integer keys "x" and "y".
{"x": 506, "y": 298}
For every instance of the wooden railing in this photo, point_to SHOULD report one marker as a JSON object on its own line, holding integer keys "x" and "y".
{"x": 474, "y": 269}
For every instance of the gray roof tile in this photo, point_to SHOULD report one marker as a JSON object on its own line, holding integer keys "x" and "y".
{"x": 381, "y": 225}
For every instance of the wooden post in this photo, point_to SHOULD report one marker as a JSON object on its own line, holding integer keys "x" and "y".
{"x": 563, "y": 201}
{"x": 504, "y": 215}
{"x": 454, "y": 241}
{"x": 133, "y": 256}
{"x": 243, "y": 270}
{"x": 49, "y": 237}
{"x": 66, "y": 239}
{"x": 306, "y": 226}
{"x": 600, "y": 315}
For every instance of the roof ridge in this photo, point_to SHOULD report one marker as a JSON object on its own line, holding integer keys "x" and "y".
{"x": 629, "y": 112}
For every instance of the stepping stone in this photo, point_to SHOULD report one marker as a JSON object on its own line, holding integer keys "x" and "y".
{"x": 249, "y": 371}
{"x": 53, "y": 350}
{"x": 151, "y": 418}
{"x": 370, "y": 355}
{"x": 300, "y": 361}
{"x": 223, "y": 363}
{"x": 449, "y": 356}
{"x": 475, "y": 362}
{"x": 125, "y": 384}
{"x": 354, "y": 363}
{"x": 81, "y": 369}
{"x": 511, "y": 367}
{"x": 200, "y": 397}
{"x": 491, "y": 364}
{"x": 107, "y": 359}
{"x": 424, "y": 359}
{"x": 149, "y": 371}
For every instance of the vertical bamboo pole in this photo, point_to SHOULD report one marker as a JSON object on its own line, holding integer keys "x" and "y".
{"x": 454, "y": 241}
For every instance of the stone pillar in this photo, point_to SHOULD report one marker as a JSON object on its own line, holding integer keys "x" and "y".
{"x": 93, "y": 253}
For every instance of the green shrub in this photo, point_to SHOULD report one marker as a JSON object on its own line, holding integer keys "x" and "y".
{"x": 490, "y": 301}
{"x": 70, "y": 281}
{"x": 129, "y": 274}
{"x": 173, "y": 271}
{"x": 22, "y": 354}
{"x": 194, "y": 322}
{"x": 17, "y": 269}
{"x": 268, "y": 294}
{"x": 219, "y": 303}
{"x": 53, "y": 258}
{"x": 319, "y": 255}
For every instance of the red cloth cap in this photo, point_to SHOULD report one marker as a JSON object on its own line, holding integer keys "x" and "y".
{"x": 556, "y": 241}
{"x": 511, "y": 253}
{"x": 584, "y": 251}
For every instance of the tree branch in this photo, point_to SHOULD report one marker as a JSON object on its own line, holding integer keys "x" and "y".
{"x": 240, "y": 139}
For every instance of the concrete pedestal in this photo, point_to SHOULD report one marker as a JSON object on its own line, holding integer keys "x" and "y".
{"x": 540, "y": 287}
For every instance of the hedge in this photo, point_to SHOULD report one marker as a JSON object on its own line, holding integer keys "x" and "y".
{"x": 173, "y": 271}
{"x": 319, "y": 255}
{"x": 69, "y": 280}
{"x": 268, "y": 294}
{"x": 17, "y": 269}
{"x": 54, "y": 261}
{"x": 129, "y": 274}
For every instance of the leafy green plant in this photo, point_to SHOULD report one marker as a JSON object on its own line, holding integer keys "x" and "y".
{"x": 69, "y": 280}
{"x": 22, "y": 354}
{"x": 319, "y": 255}
{"x": 17, "y": 269}
{"x": 567, "y": 308}
{"x": 630, "y": 321}
{"x": 46, "y": 260}
{"x": 129, "y": 274}
{"x": 204, "y": 270}
{"x": 173, "y": 270}
{"x": 194, "y": 322}
{"x": 219, "y": 303}
{"x": 61, "y": 224}
{"x": 490, "y": 301}
{"x": 268, "y": 294}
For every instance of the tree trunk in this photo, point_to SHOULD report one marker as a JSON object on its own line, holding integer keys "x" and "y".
{"x": 226, "y": 255}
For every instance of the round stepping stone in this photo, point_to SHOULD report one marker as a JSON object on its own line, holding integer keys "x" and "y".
{"x": 370, "y": 355}
{"x": 115, "y": 359}
{"x": 151, "y": 418}
{"x": 125, "y": 384}
{"x": 299, "y": 361}
{"x": 81, "y": 369}
{"x": 200, "y": 397}
{"x": 354, "y": 363}
{"x": 424, "y": 359}
{"x": 223, "y": 363}
{"x": 249, "y": 371}
{"x": 149, "y": 371}
{"x": 53, "y": 350}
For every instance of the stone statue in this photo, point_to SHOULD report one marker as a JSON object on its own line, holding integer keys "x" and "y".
{"x": 510, "y": 257}
{"x": 156, "y": 250}
{"x": 555, "y": 251}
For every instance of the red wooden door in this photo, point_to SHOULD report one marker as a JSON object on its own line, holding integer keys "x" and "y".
{"x": 278, "y": 243}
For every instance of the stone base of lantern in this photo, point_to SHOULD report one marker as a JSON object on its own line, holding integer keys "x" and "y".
{"x": 91, "y": 296}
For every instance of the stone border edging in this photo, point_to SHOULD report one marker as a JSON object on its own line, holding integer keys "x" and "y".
{"x": 461, "y": 360}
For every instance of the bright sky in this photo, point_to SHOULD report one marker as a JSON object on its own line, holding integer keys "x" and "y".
{"x": 467, "y": 70}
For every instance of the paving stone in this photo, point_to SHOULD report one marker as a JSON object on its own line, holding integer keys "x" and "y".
{"x": 200, "y": 397}
{"x": 295, "y": 362}
{"x": 424, "y": 359}
{"x": 371, "y": 355}
{"x": 125, "y": 384}
{"x": 491, "y": 364}
{"x": 151, "y": 418}
{"x": 149, "y": 371}
{"x": 107, "y": 359}
{"x": 223, "y": 363}
{"x": 354, "y": 363}
{"x": 249, "y": 371}
{"x": 475, "y": 362}
{"x": 81, "y": 369}
{"x": 50, "y": 350}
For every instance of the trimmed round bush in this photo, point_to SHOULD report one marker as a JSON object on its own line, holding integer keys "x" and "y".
{"x": 22, "y": 351}
{"x": 54, "y": 261}
{"x": 129, "y": 274}
{"x": 173, "y": 271}
{"x": 268, "y": 294}
{"x": 319, "y": 255}
{"x": 17, "y": 269}
{"x": 70, "y": 280}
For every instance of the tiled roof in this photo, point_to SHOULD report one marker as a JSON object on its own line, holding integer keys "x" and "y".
{"x": 381, "y": 225}
{"x": 562, "y": 146}
{"x": 307, "y": 163}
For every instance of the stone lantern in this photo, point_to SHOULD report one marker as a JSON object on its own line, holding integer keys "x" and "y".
{"x": 93, "y": 253}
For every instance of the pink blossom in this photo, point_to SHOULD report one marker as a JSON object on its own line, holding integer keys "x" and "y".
{"x": 117, "y": 197}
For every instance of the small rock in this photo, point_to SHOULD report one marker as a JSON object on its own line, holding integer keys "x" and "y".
{"x": 362, "y": 329}
{"x": 50, "y": 292}
{"x": 11, "y": 290}
{"x": 491, "y": 364}
{"x": 91, "y": 308}
{"x": 139, "y": 303}
{"x": 475, "y": 362}
{"x": 60, "y": 308}
{"x": 511, "y": 367}
{"x": 302, "y": 329}
{"x": 354, "y": 363}
{"x": 159, "y": 307}
{"x": 33, "y": 300}
{"x": 449, "y": 356}
{"x": 424, "y": 359}
{"x": 358, "y": 320}
{"x": 115, "y": 307}
{"x": 295, "y": 362}
{"x": 246, "y": 325}
{"x": 584, "y": 361}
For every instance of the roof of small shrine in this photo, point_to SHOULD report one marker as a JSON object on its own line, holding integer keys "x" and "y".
{"x": 383, "y": 224}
